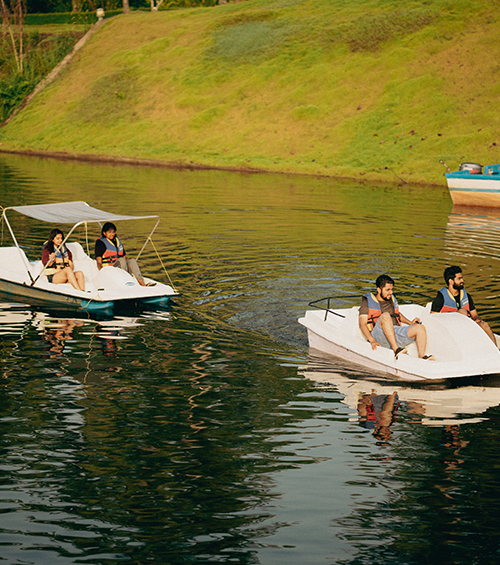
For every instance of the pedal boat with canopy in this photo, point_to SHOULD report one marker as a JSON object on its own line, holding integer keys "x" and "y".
{"x": 105, "y": 289}
{"x": 459, "y": 346}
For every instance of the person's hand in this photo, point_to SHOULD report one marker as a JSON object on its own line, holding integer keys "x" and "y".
{"x": 374, "y": 344}
{"x": 52, "y": 257}
{"x": 416, "y": 321}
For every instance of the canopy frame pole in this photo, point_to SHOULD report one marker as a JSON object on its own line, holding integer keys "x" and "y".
{"x": 147, "y": 240}
{"x": 23, "y": 256}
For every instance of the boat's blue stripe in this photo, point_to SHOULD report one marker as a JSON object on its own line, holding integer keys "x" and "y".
{"x": 483, "y": 190}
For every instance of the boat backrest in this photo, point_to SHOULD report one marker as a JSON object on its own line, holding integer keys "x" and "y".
{"x": 82, "y": 261}
{"x": 352, "y": 322}
{"x": 13, "y": 259}
{"x": 77, "y": 251}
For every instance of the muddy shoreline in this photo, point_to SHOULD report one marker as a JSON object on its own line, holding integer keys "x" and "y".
{"x": 107, "y": 159}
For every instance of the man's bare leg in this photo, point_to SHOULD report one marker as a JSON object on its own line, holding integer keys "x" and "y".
{"x": 418, "y": 333}
{"x": 385, "y": 322}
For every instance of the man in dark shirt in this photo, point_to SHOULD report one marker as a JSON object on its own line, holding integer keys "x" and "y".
{"x": 454, "y": 298}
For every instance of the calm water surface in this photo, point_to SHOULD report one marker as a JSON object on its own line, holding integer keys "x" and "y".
{"x": 207, "y": 433}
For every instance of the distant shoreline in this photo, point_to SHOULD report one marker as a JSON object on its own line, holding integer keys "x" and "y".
{"x": 153, "y": 163}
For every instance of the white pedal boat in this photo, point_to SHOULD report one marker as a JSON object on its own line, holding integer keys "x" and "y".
{"x": 24, "y": 279}
{"x": 460, "y": 347}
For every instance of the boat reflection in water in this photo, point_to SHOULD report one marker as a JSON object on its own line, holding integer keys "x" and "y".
{"x": 61, "y": 332}
{"x": 375, "y": 403}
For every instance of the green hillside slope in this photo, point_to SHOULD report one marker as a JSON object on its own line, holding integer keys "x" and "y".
{"x": 368, "y": 89}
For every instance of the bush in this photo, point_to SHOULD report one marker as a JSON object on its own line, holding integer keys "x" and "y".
{"x": 42, "y": 53}
{"x": 80, "y": 18}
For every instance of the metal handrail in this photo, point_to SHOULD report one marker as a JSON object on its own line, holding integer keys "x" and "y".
{"x": 328, "y": 310}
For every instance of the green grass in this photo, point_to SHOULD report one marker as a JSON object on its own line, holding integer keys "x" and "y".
{"x": 365, "y": 89}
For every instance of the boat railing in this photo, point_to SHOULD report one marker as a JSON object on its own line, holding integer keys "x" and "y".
{"x": 328, "y": 309}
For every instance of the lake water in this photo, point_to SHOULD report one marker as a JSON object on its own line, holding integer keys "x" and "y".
{"x": 206, "y": 433}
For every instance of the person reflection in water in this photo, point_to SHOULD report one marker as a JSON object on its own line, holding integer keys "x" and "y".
{"x": 56, "y": 333}
{"x": 379, "y": 412}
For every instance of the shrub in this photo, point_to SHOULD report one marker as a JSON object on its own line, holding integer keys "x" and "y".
{"x": 42, "y": 53}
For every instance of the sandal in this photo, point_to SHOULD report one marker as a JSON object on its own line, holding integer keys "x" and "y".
{"x": 398, "y": 352}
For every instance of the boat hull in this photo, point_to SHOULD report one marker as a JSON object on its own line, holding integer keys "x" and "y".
{"x": 41, "y": 297}
{"x": 468, "y": 189}
{"x": 106, "y": 289}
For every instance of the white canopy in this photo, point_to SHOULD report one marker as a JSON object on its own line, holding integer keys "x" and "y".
{"x": 71, "y": 213}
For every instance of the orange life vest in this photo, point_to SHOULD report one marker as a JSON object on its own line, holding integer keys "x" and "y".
{"x": 375, "y": 311}
{"x": 113, "y": 252}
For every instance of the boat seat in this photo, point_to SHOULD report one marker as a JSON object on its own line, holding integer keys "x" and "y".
{"x": 352, "y": 321}
{"x": 36, "y": 267}
{"x": 82, "y": 261}
{"x": 14, "y": 260}
{"x": 77, "y": 251}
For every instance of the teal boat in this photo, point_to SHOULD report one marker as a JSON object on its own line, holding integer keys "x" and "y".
{"x": 473, "y": 186}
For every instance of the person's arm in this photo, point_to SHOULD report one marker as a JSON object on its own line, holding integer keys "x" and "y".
{"x": 70, "y": 259}
{"x": 475, "y": 316}
{"x": 99, "y": 250}
{"x": 47, "y": 257}
{"x": 437, "y": 303}
{"x": 472, "y": 311}
{"x": 403, "y": 319}
{"x": 363, "y": 326}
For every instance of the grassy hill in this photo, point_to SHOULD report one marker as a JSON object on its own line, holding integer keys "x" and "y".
{"x": 369, "y": 89}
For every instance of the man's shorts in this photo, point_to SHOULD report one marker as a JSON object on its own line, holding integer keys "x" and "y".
{"x": 401, "y": 333}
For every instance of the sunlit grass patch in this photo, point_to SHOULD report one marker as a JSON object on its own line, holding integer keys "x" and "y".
{"x": 306, "y": 112}
{"x": 248, "y": 42}
{"x": 252, "y": 84}
{"x": 369, "y": 31}
{"x": 111, "y": 97}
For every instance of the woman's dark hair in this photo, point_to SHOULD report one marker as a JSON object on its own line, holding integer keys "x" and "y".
{"x": 107, "y": 226}
{"x": 50, "y": 242}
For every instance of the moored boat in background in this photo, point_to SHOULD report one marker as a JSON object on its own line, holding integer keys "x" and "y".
{"x": 473, "y": 186}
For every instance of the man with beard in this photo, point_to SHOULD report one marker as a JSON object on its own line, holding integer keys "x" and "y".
{"x": 382, "y": 323}
{"x": 454, "y": 298}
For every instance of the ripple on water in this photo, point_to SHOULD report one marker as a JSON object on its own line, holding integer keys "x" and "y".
{"x": 205, "y": 433}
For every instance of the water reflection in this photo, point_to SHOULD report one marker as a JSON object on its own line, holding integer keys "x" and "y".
{"x": 190, "y": 436}
{"x": 472, "y": 240}
{"x": 375, "y": 404}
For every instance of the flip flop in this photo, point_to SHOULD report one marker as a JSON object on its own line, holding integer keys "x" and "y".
{"x": 398, "y": 352}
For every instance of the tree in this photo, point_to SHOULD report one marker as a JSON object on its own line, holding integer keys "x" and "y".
{"x": 15, "y": 11}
